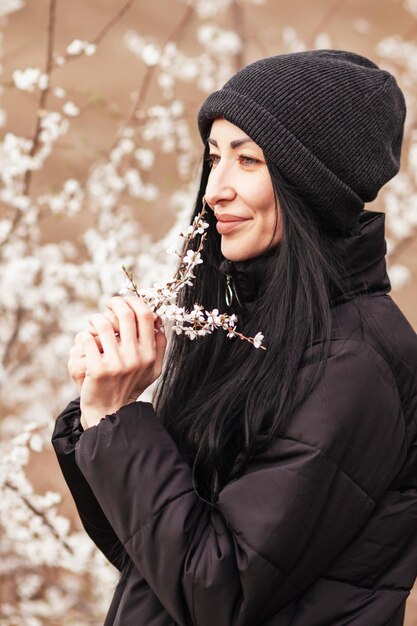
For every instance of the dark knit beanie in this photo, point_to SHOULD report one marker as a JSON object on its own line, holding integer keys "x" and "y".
{"x": 331, "y": 121}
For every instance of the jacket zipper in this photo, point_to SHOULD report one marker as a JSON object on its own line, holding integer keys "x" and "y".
{"x": 231, "y": 291}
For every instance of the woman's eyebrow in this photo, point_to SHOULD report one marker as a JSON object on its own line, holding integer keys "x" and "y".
{"x": 233, "y": 144}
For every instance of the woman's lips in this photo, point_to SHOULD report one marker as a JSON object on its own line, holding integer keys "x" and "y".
{"x": 225, "y": 227}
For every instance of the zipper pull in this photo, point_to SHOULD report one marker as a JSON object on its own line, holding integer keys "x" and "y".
{"x": 228, "y": 296}
{"x": 231, "y": 291}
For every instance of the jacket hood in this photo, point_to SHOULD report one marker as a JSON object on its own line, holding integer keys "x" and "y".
{"x": 362, "y": 254}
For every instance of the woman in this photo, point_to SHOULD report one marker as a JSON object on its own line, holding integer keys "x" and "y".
{"x": 268, "y": 487}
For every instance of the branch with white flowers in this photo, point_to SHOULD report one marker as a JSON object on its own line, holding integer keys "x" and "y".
{"x": 161, "y": 298}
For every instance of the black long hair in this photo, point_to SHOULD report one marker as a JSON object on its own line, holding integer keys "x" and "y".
{"x": 221, "y": 399}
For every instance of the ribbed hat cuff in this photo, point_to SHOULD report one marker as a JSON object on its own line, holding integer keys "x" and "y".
{"x": 318, "y": 185}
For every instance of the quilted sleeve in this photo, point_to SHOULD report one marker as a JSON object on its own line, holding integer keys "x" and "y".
{"x": 273, "y": 530}
{"x": 66, "y": 433}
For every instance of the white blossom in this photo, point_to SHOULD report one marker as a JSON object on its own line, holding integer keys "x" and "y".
{"x": 211, "y": 8}
{"x": 70, "y": 109}
{"x": 78, "y": 46}
{"x": 59, "y": 60}
{"x": 145, "y": 158}
{"x": 90, "y": 49}
{"x": 53, "y": 125}
{"x": 257, "y": 340}
{"x": 27, "y": 79}
{"x": 411, "y": 6}
{"x": 43, "y": 82}
{"x": 9, "y": 6}
{"x": 291, "y": 40}
{"x": 59, "y": 92}
{"x": 36, "y": 443}
{"x": 362, "y": 26}
{"x": 322, "y": 41}
{"x": 68, "y": 200}
{"x": 150, "y": 54}
{"x": 75, "y": 47}
{"x": 399, "y": 276}
{"x": 219, "y": 41}
{"x": 134, "y": 42}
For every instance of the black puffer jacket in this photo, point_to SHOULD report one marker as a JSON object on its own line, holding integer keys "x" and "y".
{"x": 322, "y": 527}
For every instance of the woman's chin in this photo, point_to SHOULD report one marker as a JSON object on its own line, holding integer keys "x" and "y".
{"x": 235, "y": 251}
{"x": 239, "y": 250}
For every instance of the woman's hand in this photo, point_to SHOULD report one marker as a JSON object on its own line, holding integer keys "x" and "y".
{"x": 117, "y": 368}
{"x": 77, "y": 364}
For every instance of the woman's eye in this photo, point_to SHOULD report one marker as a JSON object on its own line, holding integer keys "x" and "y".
{"x": 246, "y": 160}
{"x": 213, "y": 159}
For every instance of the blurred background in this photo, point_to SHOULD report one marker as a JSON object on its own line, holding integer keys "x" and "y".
{"x": 99, "y": 158}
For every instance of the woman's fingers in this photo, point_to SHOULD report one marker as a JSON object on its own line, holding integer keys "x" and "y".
{"x": 107, "y": 338}
{"x": 127, "y": 364}
{"x": 126, "y": 322}
{"x": 108, "y": 313}
{"x": 146, "y": 334}
{"x": 93, "y": 332}
{"x": 77, "y": 363}
{"x": 137, "y": 347}
{"x": 93, "y": 356}
{"x": 113, "y": 319}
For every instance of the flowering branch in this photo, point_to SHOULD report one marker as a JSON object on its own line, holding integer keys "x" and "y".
{"x": 8, "y": 348}
{"x": 38, "y": 513}
{"x": 174, "y": 36}
{"x": 136, "y": 114}
{"x": 77, "y": 48}
{"x": 43, "y": 92}
{"x": 41, "y": 106}
{"x": 161, "y": 298}
{"x": 105, "y": 30}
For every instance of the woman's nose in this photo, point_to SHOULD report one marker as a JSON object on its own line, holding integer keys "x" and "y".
{"x": 219, "y": 186}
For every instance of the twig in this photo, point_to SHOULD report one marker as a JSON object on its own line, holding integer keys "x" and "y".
{"x": 161, "y": 298}
{"x": 50, "y": 67}
{"x": 44, "y": 92}
{"x": 143, "y": 91}
{"x": 41, "y": 105}
{"x": 41, "y": 515}
{"x": 125, "y": 8}
{"x": 13, "y": 337}
{"x": 43, "y": 336}
{"x": 190, "y": 236}
{"x": 100, "y": 36}
{"x": 147, "y": 79}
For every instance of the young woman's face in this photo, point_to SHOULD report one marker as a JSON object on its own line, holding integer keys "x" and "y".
{"x": 240, "y": 192}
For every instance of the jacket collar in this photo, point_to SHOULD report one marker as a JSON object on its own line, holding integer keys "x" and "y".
{"x": 363, "y": 255}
